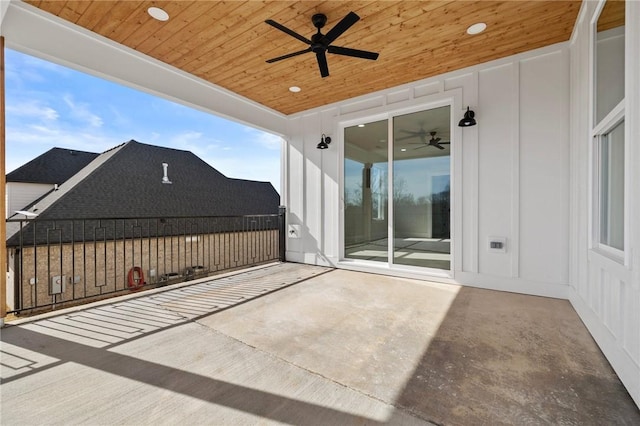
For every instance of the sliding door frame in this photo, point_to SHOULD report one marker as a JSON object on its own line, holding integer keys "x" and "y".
{"x": 453, "y": 99}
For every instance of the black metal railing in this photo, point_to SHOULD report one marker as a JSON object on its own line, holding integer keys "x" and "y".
{"x": 59, "y": 263}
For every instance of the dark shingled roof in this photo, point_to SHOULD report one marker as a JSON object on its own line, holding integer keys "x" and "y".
{"x": 126, "y": 182}
{"x": 129, "y": 184}
{"x": 54, "y": 166}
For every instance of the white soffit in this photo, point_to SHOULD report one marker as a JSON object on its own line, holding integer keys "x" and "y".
{"x": 29, "y": 30}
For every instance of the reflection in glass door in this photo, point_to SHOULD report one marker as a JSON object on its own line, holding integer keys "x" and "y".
{"x": 420, "y": 183}
{"x": 421, "y": 189}
{"x": 365, "y": 192}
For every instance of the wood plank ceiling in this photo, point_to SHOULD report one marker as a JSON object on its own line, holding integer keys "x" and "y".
{"x": 227, "y": 43}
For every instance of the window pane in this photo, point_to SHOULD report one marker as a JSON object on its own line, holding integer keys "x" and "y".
{"x": 421, "y": 188}
{"x": 611, "y": 187}
{"x": 609, "y": 57}
{"x": 365, "y": 192}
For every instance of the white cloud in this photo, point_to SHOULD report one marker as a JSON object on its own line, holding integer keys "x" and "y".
{"x": 32, "y": 109}
{"x": 119, "y": 119}
{"x": 264, "y": 139}
{"x": 81, "y": 112}
{"x": 196, "y": 142}
{"x": 25, "y": 69}
{"x": 249, "y": 163}
{"x": 36, "y": 138}
{"x": 50, "y": 137}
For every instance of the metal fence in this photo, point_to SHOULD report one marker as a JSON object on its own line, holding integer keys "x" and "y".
{"x": 59, "y": 263}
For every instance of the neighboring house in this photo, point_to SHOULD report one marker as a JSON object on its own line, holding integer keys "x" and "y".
{"x": 41, "y": 175}
{"x": 127, "y": 181}
{"x": 162, "y": 210}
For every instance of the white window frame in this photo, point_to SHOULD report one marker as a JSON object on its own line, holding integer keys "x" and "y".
{"x": 452, "y": 99}
{"x": 603, "y": 128}
{"x": 598, "y": 131}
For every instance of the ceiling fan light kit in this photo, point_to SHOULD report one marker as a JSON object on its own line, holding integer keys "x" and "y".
{"x": 468, "y": 120}
{"x": 320, "y": 43}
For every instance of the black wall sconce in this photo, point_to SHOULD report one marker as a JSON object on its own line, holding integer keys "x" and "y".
{"x": 324, "y": 142}
{"x": 468, "y": 119}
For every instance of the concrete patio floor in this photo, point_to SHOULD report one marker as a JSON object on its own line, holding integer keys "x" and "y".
{"x": 336, "y": 348}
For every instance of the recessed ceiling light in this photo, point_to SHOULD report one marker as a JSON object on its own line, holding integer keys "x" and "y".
{"x": 476, "y": 28}
{"x": 360, "y": 125}
{"x": 294, "y": 89}
{"x": 403, "y": 149}
{"x": 157, "y": 13}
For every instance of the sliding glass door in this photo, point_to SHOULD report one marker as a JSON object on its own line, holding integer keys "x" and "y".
{"x": 366, "y": 168}
{"x": 412, "y": 227}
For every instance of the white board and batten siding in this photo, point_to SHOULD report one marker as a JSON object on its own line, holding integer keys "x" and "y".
{"x": 521, "y": 174}
{"x": 606, "y": 292}
{"x": 20, "y": 194}
{"x": 510, "y": 173}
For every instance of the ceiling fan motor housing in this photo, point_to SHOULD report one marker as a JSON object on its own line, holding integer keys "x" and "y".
{"x": 319, "y": 20}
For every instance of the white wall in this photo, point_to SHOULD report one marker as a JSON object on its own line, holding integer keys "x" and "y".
{"x": 510, "y": 171}
{"x": 19, "y": 194}
{"x": 604, "y": 292}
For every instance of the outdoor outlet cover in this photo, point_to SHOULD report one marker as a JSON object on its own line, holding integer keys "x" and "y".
{"x": 293, "y": 231}
{"x": 497, "y": 244}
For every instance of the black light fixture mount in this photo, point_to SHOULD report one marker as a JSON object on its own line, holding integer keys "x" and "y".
{"x": 468, "y": 120}
{"x": 324, "y": 142}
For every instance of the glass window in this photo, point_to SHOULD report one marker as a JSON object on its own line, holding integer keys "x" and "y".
{"x": 365, "y": 191}
{"x": 611, "y": 187}
{"x": 421, "y": 188}
{"x": 608, "y": 150}
{"x": 402, "y": 204}
{"x": 609, "y": 58}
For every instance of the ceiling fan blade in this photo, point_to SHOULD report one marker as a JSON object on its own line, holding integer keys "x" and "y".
{"x": 352, "y": 52}
{"x": 322, "y": 63}
{"x": 288, "y": 31}
{"x": 423, "y": 146}
{"x": 279, "y": 58}
{"x": 404, "y": 138}
{"x": 438, "y": 146}
{"x": 340, "y": 28}
{"x": 444, "y": 143}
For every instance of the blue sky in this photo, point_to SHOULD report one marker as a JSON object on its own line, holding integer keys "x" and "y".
{"x": 48, "y": 106}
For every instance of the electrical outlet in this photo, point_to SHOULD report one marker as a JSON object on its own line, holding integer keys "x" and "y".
{"x": 497, "y": 244}
{"x": 294, "y": 231}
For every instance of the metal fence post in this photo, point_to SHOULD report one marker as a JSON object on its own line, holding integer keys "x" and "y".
{"x": 282, "y": 232}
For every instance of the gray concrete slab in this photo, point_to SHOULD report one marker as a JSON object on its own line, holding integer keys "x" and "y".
{"x": 146, "y": 361}
{"x": 337, "y": 348}
{"x": 448, "y": 354}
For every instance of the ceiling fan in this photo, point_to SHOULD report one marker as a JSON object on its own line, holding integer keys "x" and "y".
{"x": 422, "y": 134}
{"x": 321, "y": 43}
